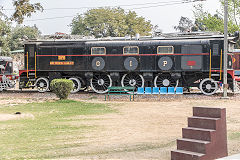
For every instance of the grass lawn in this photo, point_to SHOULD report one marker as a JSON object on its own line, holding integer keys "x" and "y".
{"x": 48, "y": 132}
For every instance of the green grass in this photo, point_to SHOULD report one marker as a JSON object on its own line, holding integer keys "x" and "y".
{"x": 234, "y": 136}
{"x": 49, "y": 132}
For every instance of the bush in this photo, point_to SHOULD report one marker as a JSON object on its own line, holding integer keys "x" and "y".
{"x": 61, "y": 87}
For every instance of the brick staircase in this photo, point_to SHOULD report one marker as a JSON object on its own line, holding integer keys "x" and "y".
{"x": 205, "y": 138}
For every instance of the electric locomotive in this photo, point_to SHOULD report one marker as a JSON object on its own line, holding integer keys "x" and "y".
{"x": 7, "y": 79}
{"x": 187, "y": 60}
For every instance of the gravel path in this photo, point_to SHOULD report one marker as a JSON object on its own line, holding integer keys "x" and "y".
{"x": 32, "y": 95}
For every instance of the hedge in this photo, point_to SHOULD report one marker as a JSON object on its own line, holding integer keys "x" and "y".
{"x": 61, "y": 87}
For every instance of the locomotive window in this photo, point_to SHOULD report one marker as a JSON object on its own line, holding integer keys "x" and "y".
{"x": 98, "y": 50}
{"x": 165, "y": 49}
{"x": 215, "y": 49}
{"x": 31, "y": 51}
{"x": 62, "y": 51}
{"x": 131, "y": 50}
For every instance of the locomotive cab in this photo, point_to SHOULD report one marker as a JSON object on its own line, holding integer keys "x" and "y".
{"x": 6, "y": 66}
{"x": 6, "y": 73}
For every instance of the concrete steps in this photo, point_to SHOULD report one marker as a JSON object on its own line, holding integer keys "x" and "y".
{"x": 186, "y": 155}
{"x": 198, "y": 133}
{"x": 205, "y": 137}
{"x": 192, "y": 145}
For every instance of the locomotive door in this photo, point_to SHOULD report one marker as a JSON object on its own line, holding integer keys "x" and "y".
{"x": 30, "y": 57}
{"x": 216, "y": 53}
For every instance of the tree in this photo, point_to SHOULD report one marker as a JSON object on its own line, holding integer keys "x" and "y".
{"x": 20, "y": 34}
{"x": 23, "y": 8}
{"x": 208, "y": 22}
{"x": 9, "y": 40}
{"x": 5, "y": 30}
{"x": 233, "y": 10}
{"x": 113, "y": 22}
{"x": 205, "y": 21}
{"x": 12, "y": 38}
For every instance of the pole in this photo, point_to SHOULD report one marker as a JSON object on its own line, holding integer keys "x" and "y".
{"x": 225, "y": 49}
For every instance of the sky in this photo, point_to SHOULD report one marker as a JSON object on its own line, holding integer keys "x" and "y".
{"x": 166, "y": 17}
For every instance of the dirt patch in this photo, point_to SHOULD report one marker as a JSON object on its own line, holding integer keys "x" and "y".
{"x": 147, "y": 130}
{"x": 6, "y": 117}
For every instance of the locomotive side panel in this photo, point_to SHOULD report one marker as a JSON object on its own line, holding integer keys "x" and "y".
{"x": 148, "y": 58}
{"x": 78, "y": 56}
{"x": 192, "y": 58}
{"x": 114, "y": 58}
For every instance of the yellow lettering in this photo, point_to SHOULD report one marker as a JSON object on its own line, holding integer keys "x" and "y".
{"x": 61, "y": 57}
{"x": 62, "y": 63}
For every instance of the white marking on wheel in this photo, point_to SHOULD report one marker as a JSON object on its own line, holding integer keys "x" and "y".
{"x": 100, "y": 82}
{"x": 41, "y": 84}
{"x": 166, "y": 82}
{"x": 132, "y": 82}
{"x": 208, "y": 86}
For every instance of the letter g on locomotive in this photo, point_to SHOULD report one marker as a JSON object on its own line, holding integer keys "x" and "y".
{"x": 98, "y": 63}
{"x": 130, "y": 63}
{"x": 165, "y": 63}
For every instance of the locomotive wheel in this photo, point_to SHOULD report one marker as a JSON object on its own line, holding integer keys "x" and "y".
{"x": 208, "y": 86}
{"x": 100, "y": 83}
{"x": 42, "y": 84}
{"x": 165, "y": 81}
{"x": 76, "y": 84}
{"x": 132, "y": 80}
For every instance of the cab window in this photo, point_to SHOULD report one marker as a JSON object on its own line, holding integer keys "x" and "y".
{"x": 98, "y": 51}
{"x": 130, "y": 50}
{"x": 31, "y": 51}
{"x": 165, "y": 50}
{"x": 215, "y": 49}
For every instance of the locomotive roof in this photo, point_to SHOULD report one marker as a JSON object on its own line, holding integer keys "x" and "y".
{"x": 171, "y": 38}
{"x": 3, "y": 58}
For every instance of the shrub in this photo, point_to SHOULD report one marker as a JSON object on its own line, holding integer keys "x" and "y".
{"x": 61, "y": 87}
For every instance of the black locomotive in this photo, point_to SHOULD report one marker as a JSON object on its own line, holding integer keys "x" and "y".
{"x": 187, "y": 60}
